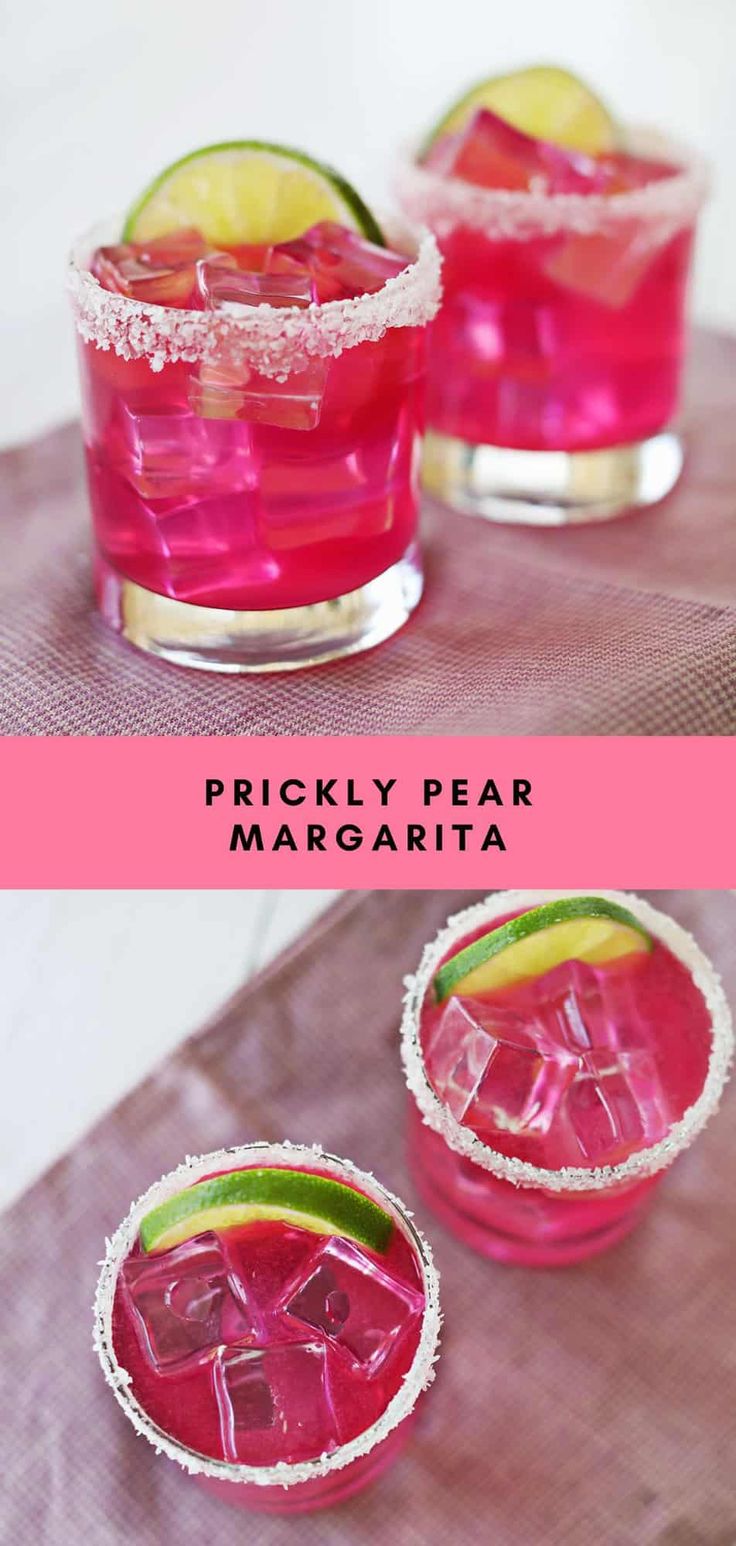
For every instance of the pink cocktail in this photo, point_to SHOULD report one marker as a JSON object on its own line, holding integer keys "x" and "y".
{"x": 556, "y": 359}
{"x": 545, "y": 1113}
{"x": 252, "y": 421}
{"x": 278, "y": 1361}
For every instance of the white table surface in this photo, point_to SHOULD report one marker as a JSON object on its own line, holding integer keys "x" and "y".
{"x": 98, "y": 986}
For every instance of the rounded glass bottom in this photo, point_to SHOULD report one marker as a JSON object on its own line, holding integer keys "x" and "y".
{"x": 322, "y": 1491}
{"x": 524, "y": 1226}
{"x": 550, "y": 488}
{"x": 288, "y": 639}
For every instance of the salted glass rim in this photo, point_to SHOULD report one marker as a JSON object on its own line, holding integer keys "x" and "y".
{"x": 672, "y": 202}
{"x": 281, "y": 1473}
{"x": 278, "y": 339}
{"x": 568, "y": 1178}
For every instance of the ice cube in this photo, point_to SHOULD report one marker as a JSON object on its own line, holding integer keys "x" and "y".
{"x": 172, "y": 454}
{"x": 458, "y": 1054}
{"x": 275, "y": 1402}
{"x": 342, "y": 263}
{"x": 606, "y": 266}
{"x": 521, "y": 1090}
{"x": 585, "y": 1006}
{"x": 176, "y": 455}
{"x": 615, "y": 1104}
{"x": 216, "y": 389}
{"x": 126, "y": 271}
{"x": 350, "y": 1298}
{"x": 156, "y": 452}
{"x": 498, "y": 1070}
{"x": 224, "y": 389}
{"x": 624, "y": 172}
{"x": 178, "y": 249}
{"x": 493, "y": 154}
{"x": 226, "y": 287}
{"x": 186, "y": 1302}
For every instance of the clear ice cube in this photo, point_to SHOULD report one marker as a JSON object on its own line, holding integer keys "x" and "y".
{"x": 592, "y": 1007}
{"x": 186, "y": 1302}
{"x": 606, "y": 266}
{"x": 223, "y": 389}
{"x": 459, "y": 1053}
{"x": 348, "y": 1296}
{"x": 615, "y": 1104}
{"x": 156, "y": 451}
{"x": 175, "y": 250}
{"x": 124, "y": 270}
{"x": 497, "y": 1070}
{"x": 493, "y": 154}
{"x": 573, "y": 1054}
{"x": 342, "y": 263}
{"x": 278, "y": 1397}
{"x": 225, "y": 287}
{"x": 174, "y": 454}
{"x": 226, "y": 388}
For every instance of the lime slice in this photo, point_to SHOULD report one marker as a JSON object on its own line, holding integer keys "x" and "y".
{"x": 547, "y": 103}
{"x": 577, "y": 928}
{"x": 247, "y": 192}
{"x": 311, "y": 1202}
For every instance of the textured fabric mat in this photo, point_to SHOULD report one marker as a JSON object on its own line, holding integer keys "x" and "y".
{"x": 628, "y": 628}
{"x": 592, "y": 1406}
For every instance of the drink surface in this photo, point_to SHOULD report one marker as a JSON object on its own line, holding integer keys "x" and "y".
{"x": 565, "y": 336}
{"x": 267, "y": 1342}
{"x": 581, "y": 1066}
{"x": 217, "y": 485}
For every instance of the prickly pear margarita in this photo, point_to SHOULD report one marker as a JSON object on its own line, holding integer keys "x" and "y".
{"x": 555, "y": 362}
{"x": 560, "y": 1050}
{"x": 268, "y": 1317}
{"x": 252, "y": 358}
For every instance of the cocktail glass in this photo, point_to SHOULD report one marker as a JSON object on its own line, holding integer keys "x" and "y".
{"x": 253, "y": 470}
{"x": 573, "y": 1147}
{"x": 556, "y": 359}
{"x": 293, "y": 1343}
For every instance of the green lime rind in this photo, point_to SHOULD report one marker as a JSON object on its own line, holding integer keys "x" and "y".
{"x": 362, "y": 218}
{"x": 532, "y": 922}
{"x": 329, "y": 1207}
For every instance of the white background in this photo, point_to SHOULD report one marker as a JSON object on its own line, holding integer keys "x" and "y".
{"x": 99, "y": 95}
{"x": 97, "y": 986}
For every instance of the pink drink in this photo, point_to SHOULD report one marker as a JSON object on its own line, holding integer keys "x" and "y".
{"x": 252, "y": 441}
{"x": 561, "y": 1081}
{"x": 562, "y": 327}
{"x": 268, "y": 1345}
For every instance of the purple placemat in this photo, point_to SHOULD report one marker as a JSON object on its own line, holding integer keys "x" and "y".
{"x": 590, "y": 1405}
{"x": 627, "y": 629}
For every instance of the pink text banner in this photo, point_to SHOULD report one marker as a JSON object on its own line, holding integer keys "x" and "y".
{"x": 365, "y": 812}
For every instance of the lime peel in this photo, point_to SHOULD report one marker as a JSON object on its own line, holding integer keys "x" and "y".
{"x": 516, "y": 950}
{"x": 247, "y": 191}
{"x": 543, "y": 101}
{"x": 238, "y": 1197}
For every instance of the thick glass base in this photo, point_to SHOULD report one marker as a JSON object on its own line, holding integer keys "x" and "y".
{"x": 524, "y": 1226}
{"x": 322, "y": 1492}
{"x": 210, "y": 639}
{"x": 550, "y": 488}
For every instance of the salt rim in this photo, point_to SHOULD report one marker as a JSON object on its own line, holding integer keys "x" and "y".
{"x": 662, "y": 208}
{"x": 283, "y": 1473}
{"x": 645, "y": 1162}
{"x": 275, "y": 341}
